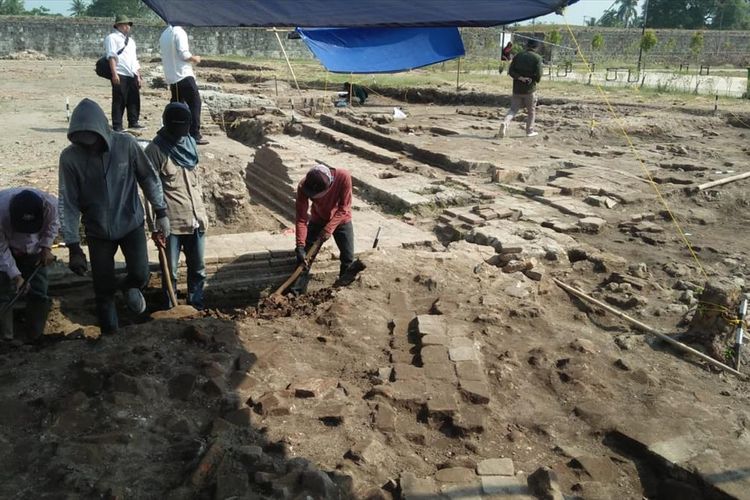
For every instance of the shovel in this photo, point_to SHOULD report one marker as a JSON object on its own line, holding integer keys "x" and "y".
{"x": 25, "y": 288}
{"x": 300, "y": 269}
{"x": 164, "y": 265}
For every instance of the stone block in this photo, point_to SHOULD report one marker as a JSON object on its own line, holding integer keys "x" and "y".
{"x": 330, "y": 412}
{"x": 505, "y": 486}
{"x": 542, "y": 190}
{"x": 517, "y": 266}
{"x": 471, "y": 491}
{"x": 430, "y": 324}
{"x": 429, "y": 340}
{"x": 455, "y": 475}
{"x": 313, "y": 387}
{"x": 543, "y": 484}
{"x": 384, "y": 418}
{"x": 470, "y": 419}
{"x": 274, "y": 404}
{"x": 463, "y": 353}
{"x": 401, "y": 357}
{"x": 248, "y": 387}
{"x": 470, "y": 370}
{"x": 459, "y": 341}
{"x": 477, "y": 392}
{"x": 403, "y": 371}
{"x": 496, "y": 467}
{"x": 533, "y": 274}
{"x": 442, "y": 405}
{"x": 181, "y": 386}
{"x": 591, "y": 224}
{"x": 439, "y": 371}
{"x": 414, "y": 488}
{"x": 434, "y": 354}
{"x": 368, "y": 451}
{"x": 470, "y": 218}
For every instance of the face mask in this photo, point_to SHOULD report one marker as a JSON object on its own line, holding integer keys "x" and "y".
{"x": 88, "y": 140}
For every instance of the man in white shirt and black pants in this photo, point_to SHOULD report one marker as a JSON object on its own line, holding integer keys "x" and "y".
{"x": 126, "y": 78}
{"x": 176, "y": 59}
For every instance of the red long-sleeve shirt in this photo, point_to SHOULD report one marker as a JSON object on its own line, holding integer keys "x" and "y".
{"x": 332, "y": 209}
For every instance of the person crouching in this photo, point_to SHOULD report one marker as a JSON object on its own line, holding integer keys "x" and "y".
{"x": 329, "y": 190}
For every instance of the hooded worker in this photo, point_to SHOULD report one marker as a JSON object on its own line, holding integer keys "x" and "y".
{"x": 329, "y": 190}
{"x": 28, "y": 226}
{"x": 174, "y": 155}
{"x": 99, "y": 177}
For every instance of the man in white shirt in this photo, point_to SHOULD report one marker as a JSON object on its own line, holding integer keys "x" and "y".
{"x": 176, "y": 59}
{"x": 119, "y": 48}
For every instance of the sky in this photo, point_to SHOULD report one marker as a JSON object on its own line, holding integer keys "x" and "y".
{"x": 575, "y": 14}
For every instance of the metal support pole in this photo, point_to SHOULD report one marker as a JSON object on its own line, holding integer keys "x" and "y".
{"x": 739, "y": 334}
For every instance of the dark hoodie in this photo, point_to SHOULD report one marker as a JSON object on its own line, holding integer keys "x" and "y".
{"x": 103, "y": 187}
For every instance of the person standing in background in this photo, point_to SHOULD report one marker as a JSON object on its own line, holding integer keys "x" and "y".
{"x": 176, "y": 59}
{"x": 119, "y": 48}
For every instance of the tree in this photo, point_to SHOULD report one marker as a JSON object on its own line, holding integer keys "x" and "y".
{"x": 610, "y": 20}
{"x": 597, "y": 42}
{"x": 696, "y": 44}
{"x": 627, "y": 12}
{"x": 699, "y": 14}
{"x": 110, "y": 8}
{"x": 12, "y": 8}
{"x": 648, "y": 40}
{"x": 78, "y": 8}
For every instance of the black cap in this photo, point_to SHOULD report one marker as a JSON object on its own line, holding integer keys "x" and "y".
{"x": 26, "y": 212}
{"x": 176, "y": 119}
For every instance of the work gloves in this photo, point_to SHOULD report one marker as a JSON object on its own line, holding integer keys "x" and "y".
{"x": 46, "y": 257}
{"x": 301, "y": 255}
{"x": 162, "y": 226}
{"x": 77, "y": 259}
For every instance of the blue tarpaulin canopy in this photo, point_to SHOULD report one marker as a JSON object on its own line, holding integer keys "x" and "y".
{"x": 351, "y": 13}
{"x": 382, "y": 50}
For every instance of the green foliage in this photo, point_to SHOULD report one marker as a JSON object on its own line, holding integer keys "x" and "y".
{"x": 12, "y": 8}
{"x": 627, "y": 12}
{"x": 699, "y": 14}
{"x": 78, "y": 8}
{"x": 597, "y": 42}
{"x": 648, "y": 40}
{"x": 696, "y": 43}
{"x": 610, "y": 20}
{"x": 554, "y": 36}
{"x": 110, "y": 8}
{"x": 670, "y": 45}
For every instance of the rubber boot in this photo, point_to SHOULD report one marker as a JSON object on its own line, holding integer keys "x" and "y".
{"x": 37, "y": 311}
{"x": 6, "y": 324}
{"x": 106, "y": 312}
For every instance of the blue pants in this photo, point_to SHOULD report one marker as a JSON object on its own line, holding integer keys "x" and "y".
{"x": 194, "y": 247}
{"x": 102, "y": 256}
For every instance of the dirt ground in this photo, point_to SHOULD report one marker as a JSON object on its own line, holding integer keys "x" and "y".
{"x": 436, "y": 360}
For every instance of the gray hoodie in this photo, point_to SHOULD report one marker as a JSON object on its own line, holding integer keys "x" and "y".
{"x": 102, "y": 186}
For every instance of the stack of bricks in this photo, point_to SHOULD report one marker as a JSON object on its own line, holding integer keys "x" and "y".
{"x": 457, "y": 223}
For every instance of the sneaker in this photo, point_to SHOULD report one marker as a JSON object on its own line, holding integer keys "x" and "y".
{"x": 118, "y": 129}
{"x": 136, "y": 126}
{"x": 201, "y": 141}
{"x": 503, "y": 130}
{"x": 135, "y": 301}
{"x": 532, "y": 134}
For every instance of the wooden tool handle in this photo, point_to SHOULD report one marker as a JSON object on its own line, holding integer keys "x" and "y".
{"x": 166, "y": 274}
{"x": 300, "y": 268}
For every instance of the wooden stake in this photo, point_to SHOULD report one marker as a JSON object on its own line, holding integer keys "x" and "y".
{"x": 286, "y": 58}
{"x": 458, "y": 75}
{"x": 648, "y": 329}
{"x": 726, "y": 180}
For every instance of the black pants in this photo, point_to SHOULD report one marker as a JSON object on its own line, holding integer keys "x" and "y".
{"x": 186, "y": 90}
{"x": 102, "y": 256}
{"x": 344, "y": 238}
{"x": 126, "y": 95}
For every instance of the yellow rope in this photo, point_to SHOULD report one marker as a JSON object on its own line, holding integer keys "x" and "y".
{"x": 621, "y": 126}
